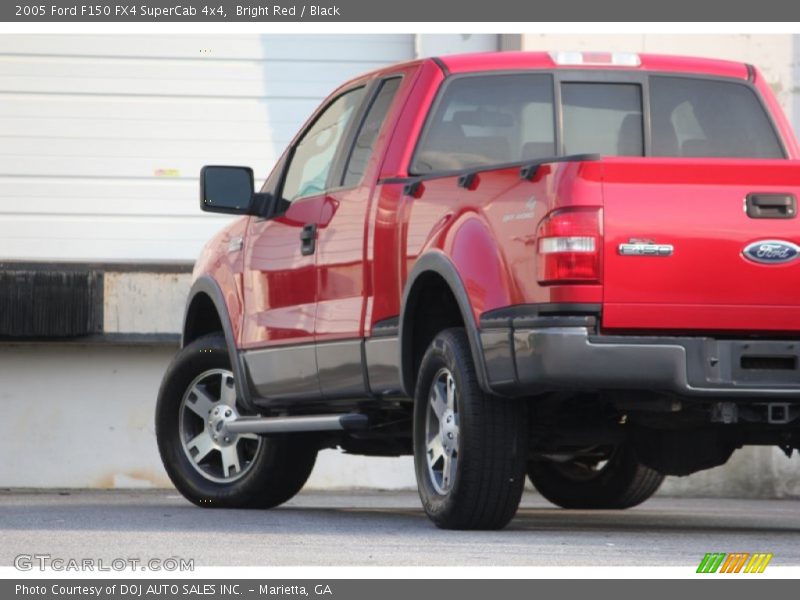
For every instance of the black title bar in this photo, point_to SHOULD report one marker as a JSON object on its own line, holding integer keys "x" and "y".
{"x": 733, "y": 588}
{"x": 211, "y": 11}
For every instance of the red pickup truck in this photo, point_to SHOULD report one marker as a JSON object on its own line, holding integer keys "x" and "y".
{"x": 583, "y": 267}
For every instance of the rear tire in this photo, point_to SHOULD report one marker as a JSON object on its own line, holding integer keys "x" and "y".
{"x": 622, "y": 482}
{"x": 245, "y": 471}
{"x": 469, "y": 448}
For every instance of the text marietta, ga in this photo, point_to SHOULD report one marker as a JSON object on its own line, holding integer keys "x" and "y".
{"x": 161, "y": 590}
{"x": 274, "y": 10}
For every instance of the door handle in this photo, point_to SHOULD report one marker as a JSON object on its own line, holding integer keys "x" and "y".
{"x": 771, "y": 206}
{"x": 308, "y": 239}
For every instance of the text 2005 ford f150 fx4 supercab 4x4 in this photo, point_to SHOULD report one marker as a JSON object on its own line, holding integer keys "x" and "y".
{"x": 583, "y": 267}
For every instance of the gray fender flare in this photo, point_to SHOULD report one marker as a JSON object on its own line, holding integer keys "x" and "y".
{"x": 437, "y": 262}
{"x": 207, "y": 286}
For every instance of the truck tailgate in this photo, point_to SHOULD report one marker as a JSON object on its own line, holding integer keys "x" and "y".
{"x": 707, "y": 245}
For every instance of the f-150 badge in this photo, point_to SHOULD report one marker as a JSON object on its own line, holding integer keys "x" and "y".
{"x": 645, "y": 248}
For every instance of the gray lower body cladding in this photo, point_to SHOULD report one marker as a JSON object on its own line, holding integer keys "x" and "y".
{"x": 339, "y": 374}
{"x": 568, "y": 355}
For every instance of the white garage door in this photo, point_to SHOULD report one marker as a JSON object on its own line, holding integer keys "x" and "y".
{"x": 102, "y": 137}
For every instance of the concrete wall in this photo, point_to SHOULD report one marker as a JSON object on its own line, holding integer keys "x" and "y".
{"x": 79, "y": 415}
{"x": 82, "y": 416}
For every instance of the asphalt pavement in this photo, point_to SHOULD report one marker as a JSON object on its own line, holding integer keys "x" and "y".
{"x": 387, "y": 528}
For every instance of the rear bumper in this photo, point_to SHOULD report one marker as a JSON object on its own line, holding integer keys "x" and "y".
{"x": 529, "y": 355}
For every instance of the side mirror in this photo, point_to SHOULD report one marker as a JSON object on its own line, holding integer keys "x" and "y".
{"x": 226, "y": 190}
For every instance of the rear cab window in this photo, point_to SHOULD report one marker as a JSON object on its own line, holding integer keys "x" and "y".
{"x": 495, "y": 119}
{"x": 707, "y": 118}
{"x": 602, "y": 118}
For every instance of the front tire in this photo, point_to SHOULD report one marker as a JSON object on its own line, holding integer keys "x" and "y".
{"x": 469, "y": 448}
{"x": 238, "y": 471}
{"x": 618, "y": 482}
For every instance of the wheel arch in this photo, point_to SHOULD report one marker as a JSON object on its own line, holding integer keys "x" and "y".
{"x": 435, "y": 266}
{"x": 207, "y": 312}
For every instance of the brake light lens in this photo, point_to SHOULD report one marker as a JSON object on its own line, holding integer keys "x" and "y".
{"x": 570, "y": 243}
{"x": 613, "y": 59}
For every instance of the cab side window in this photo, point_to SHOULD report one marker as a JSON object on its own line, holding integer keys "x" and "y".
{"x": 313, "y": 156}
{"x": 368, "y": 134}
{"x": 483, "y": 120}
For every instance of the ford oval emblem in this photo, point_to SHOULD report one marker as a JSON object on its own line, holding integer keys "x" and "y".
{"x": 771, "y": 252}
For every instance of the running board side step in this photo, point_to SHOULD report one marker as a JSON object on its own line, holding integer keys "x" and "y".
{"x": 346, "y": 422}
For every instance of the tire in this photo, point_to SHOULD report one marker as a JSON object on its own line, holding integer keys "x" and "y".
{"x": 271, "y": 469}
{"x": 487, "y": 451}
{"x": 622, "y": 482}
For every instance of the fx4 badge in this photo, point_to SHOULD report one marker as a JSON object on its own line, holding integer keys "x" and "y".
{"x": 771, "y": 252}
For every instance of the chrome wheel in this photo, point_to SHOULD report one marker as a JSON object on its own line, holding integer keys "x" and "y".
{"x": 208, "y": 403}
{"x": 441, "y": 431}
{"x": 470, "y": 449}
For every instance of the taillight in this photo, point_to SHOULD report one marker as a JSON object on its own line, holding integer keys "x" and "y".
{"x": 570, "y": 246}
